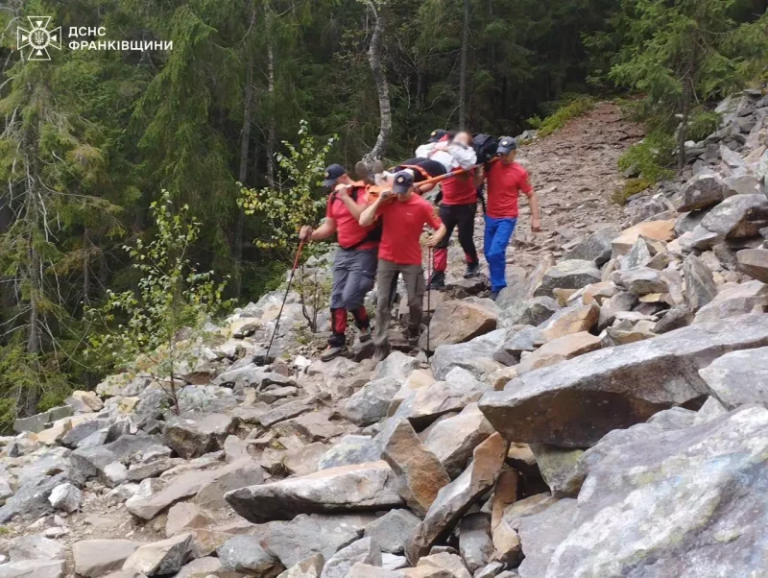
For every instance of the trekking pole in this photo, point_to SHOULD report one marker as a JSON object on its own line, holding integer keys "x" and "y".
{"x": 285, "y": 297}
{"x": 429, "y": 295}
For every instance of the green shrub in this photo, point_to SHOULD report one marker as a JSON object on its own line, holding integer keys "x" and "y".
{"x": 575, "y": 108}
{"x": 653, "y": 158}
{"x": 631, "y": 187}
{"x": 702, "y": 124}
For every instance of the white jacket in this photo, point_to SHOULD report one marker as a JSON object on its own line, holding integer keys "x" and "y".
{"x": 451, "y": 157}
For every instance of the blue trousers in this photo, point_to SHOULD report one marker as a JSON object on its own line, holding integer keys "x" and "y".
{"x": 498, "y": 233}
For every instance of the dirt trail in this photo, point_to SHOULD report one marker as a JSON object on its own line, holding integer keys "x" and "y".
{"x": 574, "y": 172}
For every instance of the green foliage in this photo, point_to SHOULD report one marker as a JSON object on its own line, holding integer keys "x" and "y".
{"x": 630, "y": 188}
{"x": 652, "y": 158}
{"x": 296, "y": 199}
{"x": 702, "y": 124}
{"x": 566, "y": 112}
{"x": 171, "y": 295}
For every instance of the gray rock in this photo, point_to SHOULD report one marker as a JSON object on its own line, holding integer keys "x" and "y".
{"x": 741, "y": 185}
{"x": 754, "y": 262}
{"x": 748, "y": 297}
{"x": 442, "y": 564}
{"x": 337, "y": 490}
{"x": 453, "y": 440}
{"x": 475, "y": 544}
{"x": 307, "y": 536}
{"x": 624, "y": 301}
{"x": 391, "y": 530}
{"x": 206, "y": 566}
{"x": 596, "y": 247}
{"x": 531, "y": 312}
{"x": 674, "y": 318}
{"x": 559, "y": 468}
{"x": 92, "y": 461}
{"x": 245, "y": 554}
{"x": 738, "y": 216}
{"x": 639, "y": 256}
{"x": 616, "y": 388}
{"x": 238, "y": 474}
{"x": 573, "y": 274}
{"x": 643, "y": 486}
{"x": 160, "y": 558}
{"x": 542, "y": 533}
{"x": 459, "y": 321}
{"x": 94, "y": 558}
{"x": 33, "y": 569}
{"x": 35, "y": 547}
{"x": 32, "y": 497}
{"x": 283, "y": 412}
{"x": 367, "y": 571}
{"x": 193, "y": 434}
{"x": 689, "y": 221}
{"x": 739, "y": 378}
{"x": 371, "y": 403}
{"x": 41, "y": 421}
{"x": 475, "y": 356}
{"x": 425, "y": 405}
{"x": 526, "y": 338}
{"x": 642, "y": 281}
{"x": 397, "y": 366}
{"x": 81, "y": 431}
{"x": 350, "y": 450}
{"x": 700, "y": 286}
{"x": 65, "y": 497}
{"x": 364, "y": 551}
{"x": 455, "y": 499}
{"x": 701, "y": 191}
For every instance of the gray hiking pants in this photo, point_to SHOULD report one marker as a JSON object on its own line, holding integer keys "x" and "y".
{"x": 413, "y": 275}
{"x": 354, "y": 272}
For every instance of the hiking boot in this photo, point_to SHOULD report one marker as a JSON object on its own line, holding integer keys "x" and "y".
{"x": 493, "y": 296}
{"x": 473, "y": 270}
{"x": 332, "y": 352}
{"x": 437, "y": 282}
{"x": 365, "y": 335}
{"x": 381, "y": 353}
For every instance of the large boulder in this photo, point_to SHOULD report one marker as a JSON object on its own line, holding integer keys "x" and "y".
{"x": 575, "y": 403}
{"x": 700, "y": 287}
{"x": 532, "y": 312}
{"x": 361, "y": 487}
{"x": 245, "y": 554}
{"x": 688, "y": 503}
{"x": 94, "y": 558}
{"x": 560, "y": 349}
{"x": 33, "y": 569}
{"x": 193, "y": 434}
{"x": 455, "y": 499}
{"x": 475, "y": 356}
{"x": 391, "y": 530}
{"x": 573, "y": 274}
{"x": 161, "y": 558}
{"x": 420, "y": 474}
{"x": 459, "y": 321}
{"x": 739, "y": 378}
{"x": 596, "y": 247}
{"x": 127, "y": 449}
{"x": 656, "y": 230}
{"x": 454, "y": 439}
{"x": 370, "y": 403}
{"x": 364, "y": 551}
{"x": 754, "y": 262}
{"x": 701, "y": 191}
{"x": 748, "y": 297}
{"x": 738, "y": 216}
{"x": 642, "y": 281}
{"x": 541, "y": 533}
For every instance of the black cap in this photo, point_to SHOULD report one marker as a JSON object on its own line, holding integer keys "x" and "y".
{"x": 506, "y": 145}
{"x": 403, "y": 182}
{"x": 331, "y": 174}
{"x": 437, "y": 135}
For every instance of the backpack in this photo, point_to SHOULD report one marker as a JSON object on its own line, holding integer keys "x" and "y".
{"x": 374, "y": 234}
{"x": 485, "y": 147}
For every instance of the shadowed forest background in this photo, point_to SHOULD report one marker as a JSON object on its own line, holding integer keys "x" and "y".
{"x": 91, "y": 139}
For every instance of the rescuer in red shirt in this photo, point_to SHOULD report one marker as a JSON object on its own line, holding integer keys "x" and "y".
{"x": 354, "y": 265}
{"x": 505, "y": 180}
{"x": 403, "y": 219}
{"x": 458, "y": 209}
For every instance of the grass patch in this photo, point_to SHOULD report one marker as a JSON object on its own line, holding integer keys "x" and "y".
{"x": 652, "y": 159}
{"x": 702, "y": 124}
{"x": 631, "y": 187}
{"x": 574, "y": 108}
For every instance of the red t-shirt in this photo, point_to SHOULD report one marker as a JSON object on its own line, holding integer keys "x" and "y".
{"x": 504, "y": 185}
{"x": 348, "y": 230}
{"x": 403, "y": 224}
{"x": 460, "y": 190}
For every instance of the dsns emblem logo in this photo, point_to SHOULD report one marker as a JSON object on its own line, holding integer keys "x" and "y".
{"x": 38, "y": 38}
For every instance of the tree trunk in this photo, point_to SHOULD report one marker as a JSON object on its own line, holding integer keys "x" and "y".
{"x": 463, "y": 73}
{"x": 86, "y": 268}
{"x": 271, "y": 136}
{"x": 682, "y": 132}
{"x": 382, "y": 89}
{"x": 33, "y": 332}
{"x": 245, "y": 143}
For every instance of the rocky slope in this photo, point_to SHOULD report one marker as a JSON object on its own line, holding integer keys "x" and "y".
{"x": 605, "y": 417}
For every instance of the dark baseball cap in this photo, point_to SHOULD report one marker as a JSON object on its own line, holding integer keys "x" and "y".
{"x": 403, "y": 182}
{"x": 437, "y": 135}
{"x": 506, "y": 145}
{"x": 331, "y": 174}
